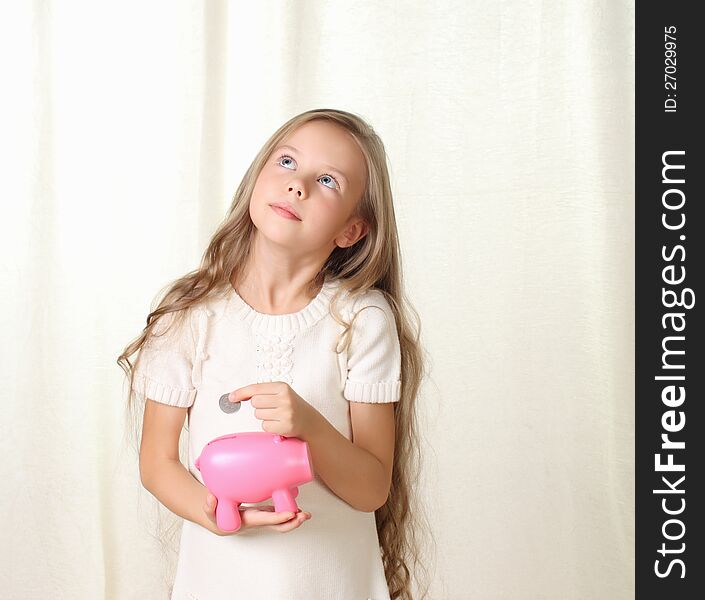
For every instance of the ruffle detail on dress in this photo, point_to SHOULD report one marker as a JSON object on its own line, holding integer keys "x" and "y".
{"x": 203, "y": 315}
{"x": 274, "y": 356}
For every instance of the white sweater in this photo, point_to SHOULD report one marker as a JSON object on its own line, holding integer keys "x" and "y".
{"x": 224, "y": 345}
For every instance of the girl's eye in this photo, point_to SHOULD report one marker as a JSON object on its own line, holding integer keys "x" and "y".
{"x": 285, "y": 157}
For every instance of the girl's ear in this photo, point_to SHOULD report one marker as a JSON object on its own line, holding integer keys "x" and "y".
{"x": 354, "y": 232}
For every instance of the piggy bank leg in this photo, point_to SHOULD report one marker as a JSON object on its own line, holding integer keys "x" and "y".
{"x": 227, "y": 515}
{"x": 284, "y": 501}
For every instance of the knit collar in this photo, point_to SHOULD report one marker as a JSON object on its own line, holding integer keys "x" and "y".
{"x": 313, "y": 312}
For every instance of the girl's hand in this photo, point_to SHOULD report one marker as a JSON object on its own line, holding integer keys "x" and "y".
{"x": 280, "y": 408}
{"x": 262, "y": 516}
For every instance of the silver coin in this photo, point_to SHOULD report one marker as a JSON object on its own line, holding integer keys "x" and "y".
{"x": 228, "y": 407}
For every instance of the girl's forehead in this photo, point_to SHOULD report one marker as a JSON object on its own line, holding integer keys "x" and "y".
{"x": 324, "y": 141}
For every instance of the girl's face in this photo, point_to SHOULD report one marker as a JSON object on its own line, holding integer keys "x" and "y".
{"x": 321, "y": 175}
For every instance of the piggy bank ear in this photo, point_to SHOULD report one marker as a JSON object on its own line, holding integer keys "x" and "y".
{"x": 198, "y": 463}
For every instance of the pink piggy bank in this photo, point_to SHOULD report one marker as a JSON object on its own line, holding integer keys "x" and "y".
{"x": 251, "y": 467}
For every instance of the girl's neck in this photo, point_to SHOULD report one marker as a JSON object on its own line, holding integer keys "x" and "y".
{"x": 274, "y": 298}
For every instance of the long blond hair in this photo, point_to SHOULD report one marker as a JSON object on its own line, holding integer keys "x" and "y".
{"x": 372, "y": 262}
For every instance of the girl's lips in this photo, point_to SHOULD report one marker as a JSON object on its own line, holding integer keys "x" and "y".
{"x": 284, "y": 213}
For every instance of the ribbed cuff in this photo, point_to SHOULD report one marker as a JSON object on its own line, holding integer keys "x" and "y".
{"x": 166, "y": 394}
{"x": 384, "y": 391}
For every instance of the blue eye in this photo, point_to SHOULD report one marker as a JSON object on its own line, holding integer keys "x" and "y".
{"x": 283, "y": 157}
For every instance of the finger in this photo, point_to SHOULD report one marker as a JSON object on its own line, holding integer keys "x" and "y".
{"x": 267, "y": 414}
{"x": 257, "y": 517}
{"x": 238, "y": 396}
{"x": 280, "y": 517}
{"x": 288, "y": 525}
{"x": 297, "y": 521}
{"x": 246, "y": 392}
{"x": 242, "y": 394}
{"x": 268, "y": 402}
{"x": 210, "y": 504}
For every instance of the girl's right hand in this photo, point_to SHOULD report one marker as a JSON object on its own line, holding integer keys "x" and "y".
{"x": 262, "y": 516}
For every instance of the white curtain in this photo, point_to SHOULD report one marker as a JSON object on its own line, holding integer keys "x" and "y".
{"x": 126, "y": 127}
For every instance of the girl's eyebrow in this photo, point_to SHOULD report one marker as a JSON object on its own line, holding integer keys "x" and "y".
{"x": 329, "y": 167}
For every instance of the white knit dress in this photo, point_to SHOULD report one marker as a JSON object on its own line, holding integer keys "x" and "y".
{"x": 224, "y": 345}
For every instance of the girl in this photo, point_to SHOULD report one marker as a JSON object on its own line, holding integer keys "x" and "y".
{"x": 294, "y": 324}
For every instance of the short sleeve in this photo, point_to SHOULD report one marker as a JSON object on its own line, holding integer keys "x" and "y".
{"x": 163, "y": 371}
{"x": 374, "y": 356}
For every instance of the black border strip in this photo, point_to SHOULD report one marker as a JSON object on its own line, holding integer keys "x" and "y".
{"x": 668, "y": 131}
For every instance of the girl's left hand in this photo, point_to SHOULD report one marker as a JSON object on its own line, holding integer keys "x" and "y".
{"x": 280, "y": 408}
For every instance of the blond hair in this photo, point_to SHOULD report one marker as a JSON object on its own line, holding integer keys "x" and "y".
{"x": 373, "y": 262}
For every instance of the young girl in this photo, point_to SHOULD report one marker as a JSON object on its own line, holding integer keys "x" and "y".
{"x": 294, "y": 324}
